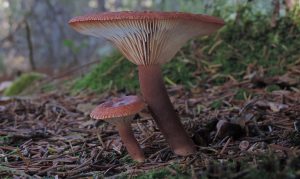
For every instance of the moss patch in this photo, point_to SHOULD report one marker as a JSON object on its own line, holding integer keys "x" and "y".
{"x": 242, "y": 94}
{"x": 23, "y": 82}
{"x": 271, "y": 88}
{"x": 251, "y": 39}
{"x": 170, "y": 172}
{"x": 116, "y": 72}
{"x": 179, "y": 71}
{"x": 113, "y": 72}
{"x": 217, "y": 104}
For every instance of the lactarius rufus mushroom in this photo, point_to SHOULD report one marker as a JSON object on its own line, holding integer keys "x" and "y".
{"x": 120, "y": 112}
{"x": 150, "y": 39}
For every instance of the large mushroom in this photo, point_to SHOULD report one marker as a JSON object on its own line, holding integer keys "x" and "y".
{"x": 120, "y": 112}
{"x": 150, "y": 39}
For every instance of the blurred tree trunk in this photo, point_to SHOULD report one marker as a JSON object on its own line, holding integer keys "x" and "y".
{"x": 101, "y": 5}
{"x": 275, "y": 13}
{"x": 28, "y": 9}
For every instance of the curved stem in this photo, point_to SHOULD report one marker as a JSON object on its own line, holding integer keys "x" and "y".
{"x": 155, "y": 95}
{"x": 131, "y": 144}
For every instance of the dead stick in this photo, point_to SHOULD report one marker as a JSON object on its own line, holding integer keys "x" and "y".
{"x": 225, "y": 146}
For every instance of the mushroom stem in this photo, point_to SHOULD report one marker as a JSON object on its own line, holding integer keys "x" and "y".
{"x": 131, "y": 144}
{"x": 161, "y": 108}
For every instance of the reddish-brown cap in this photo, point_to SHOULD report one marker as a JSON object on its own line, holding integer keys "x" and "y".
{"x": 149, "y": 15}
{"x": 147, "y": 38}
{"x": 118, "y": 107}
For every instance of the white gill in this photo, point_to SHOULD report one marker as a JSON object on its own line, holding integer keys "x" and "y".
{"x": 145, "y": 42}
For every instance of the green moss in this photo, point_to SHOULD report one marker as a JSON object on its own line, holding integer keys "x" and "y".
{"x": 113, "y": 72}
{"x": 272, "y": 167}
{"x": 127, "y": 160}
{"x": 48, "y": 87}
{"x": 116, "y": 72}
{"x": 179, "y": 71}
{"x": 5, "y": 140}
{"x": 219, "y": 79}
{"x": 24, "y": 81}
{"x": 217, "y": 104}
{"x": 251, "y": 39}
{"x": 165, "y": 173}
{"x": 271, "y": 88}
{"x": 241, "y": 94}
{"x": 266, "y": 166}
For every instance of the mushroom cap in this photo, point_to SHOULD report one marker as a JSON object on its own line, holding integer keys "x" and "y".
{"x": 150, "y": 15}
{"x": 118, "y": 108}
{"x": 147, "y": 38}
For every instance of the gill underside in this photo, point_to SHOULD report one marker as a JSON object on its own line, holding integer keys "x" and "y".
{"x": 144, "y": 42}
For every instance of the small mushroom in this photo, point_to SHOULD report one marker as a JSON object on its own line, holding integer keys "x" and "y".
{"x": 120, "y": 112}
{"x": 150, "y": 39}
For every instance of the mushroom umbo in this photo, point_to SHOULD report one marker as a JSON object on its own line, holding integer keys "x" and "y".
{"x": 150, "y": 39}
{"x": 120, "y": 112}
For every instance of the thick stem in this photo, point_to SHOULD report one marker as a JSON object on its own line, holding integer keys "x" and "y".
{"x": 155, "y": 95}
{"x": 131, "y": 144}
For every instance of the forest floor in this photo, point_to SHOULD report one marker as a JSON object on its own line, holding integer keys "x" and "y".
{"x": 250, "y": 134}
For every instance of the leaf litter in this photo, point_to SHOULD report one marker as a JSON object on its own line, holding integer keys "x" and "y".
{"x": 52, "y": 135}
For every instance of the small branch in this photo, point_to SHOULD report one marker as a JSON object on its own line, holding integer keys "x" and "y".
{"x": 70, "y": 72}
{"x": 30, "y": 46}
{"x": 225, "y": 146}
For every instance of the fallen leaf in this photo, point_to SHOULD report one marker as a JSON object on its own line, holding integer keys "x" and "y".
{"x": 276, "y": 107}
